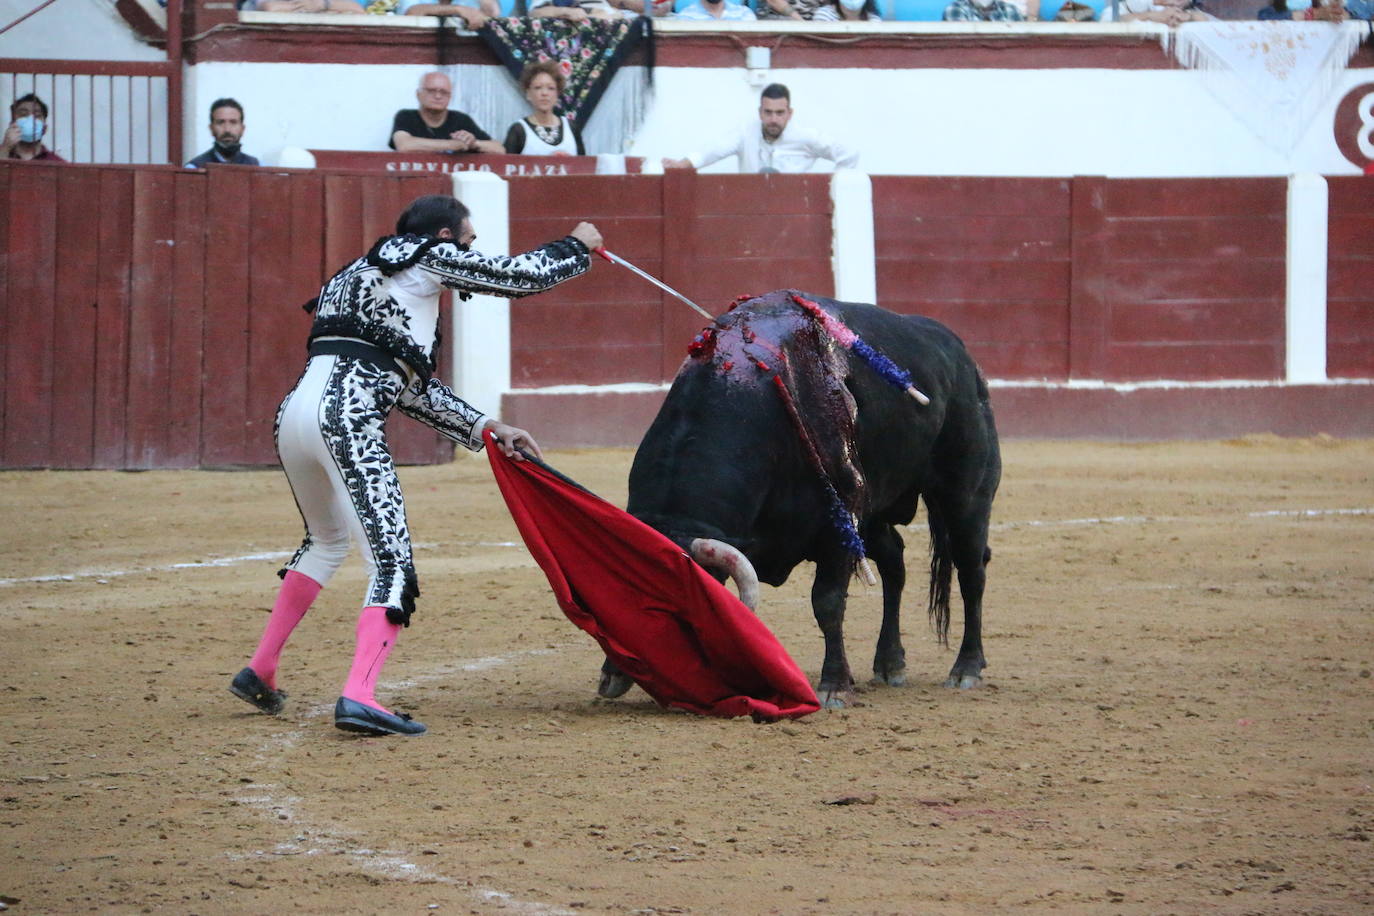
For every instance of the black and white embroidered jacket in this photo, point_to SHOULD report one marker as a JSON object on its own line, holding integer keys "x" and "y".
{"x": 389, "y": 298}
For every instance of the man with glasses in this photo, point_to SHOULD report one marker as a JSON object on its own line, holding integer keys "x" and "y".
{"x": 434, "y": 127}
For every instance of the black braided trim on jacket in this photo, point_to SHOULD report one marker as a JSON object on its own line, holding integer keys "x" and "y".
{"x": 388, "y": 267}
{"x": 389, "y": 340}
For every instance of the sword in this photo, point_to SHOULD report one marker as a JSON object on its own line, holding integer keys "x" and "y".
{"x": 617, "y": 259}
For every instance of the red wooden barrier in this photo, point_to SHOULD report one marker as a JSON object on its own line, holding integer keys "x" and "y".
{"x": 1092, "y": 278}
{"x": 1350, "y": 278}
{"x": 1195, "y": 279}
{"x": 152, "y": 313}
{"x": 712, "y": 237}
{"x": 604, "y": 328}
{"x": 990, "y": 257}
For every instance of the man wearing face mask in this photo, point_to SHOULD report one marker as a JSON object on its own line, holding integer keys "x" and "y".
{"x": 24, "y": 136}
{"x": 857, "y": 10}
{"x": 226, "y": 126}
{"x": 775, "y": 145}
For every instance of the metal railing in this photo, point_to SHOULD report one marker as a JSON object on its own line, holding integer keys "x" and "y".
{"x": 98, "y": 111}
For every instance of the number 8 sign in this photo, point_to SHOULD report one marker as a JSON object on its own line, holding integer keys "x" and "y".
{"x": 1354, "y": 126}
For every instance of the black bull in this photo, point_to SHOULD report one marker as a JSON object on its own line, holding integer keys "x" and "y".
{"x": 726, "y": 460}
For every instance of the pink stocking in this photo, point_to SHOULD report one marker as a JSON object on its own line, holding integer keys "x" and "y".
{"x": 297, "y": 593}
{"x": 376, "y": 639}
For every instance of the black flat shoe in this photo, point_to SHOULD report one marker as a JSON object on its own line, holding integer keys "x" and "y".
{"x": 352, "y": 716}
{"x": 247, "y": 686}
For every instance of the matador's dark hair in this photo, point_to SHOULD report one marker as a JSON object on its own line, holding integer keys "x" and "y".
{"x": 427, "y": 215}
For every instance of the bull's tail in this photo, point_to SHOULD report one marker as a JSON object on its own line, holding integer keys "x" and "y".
{"x": 941, "y": 575}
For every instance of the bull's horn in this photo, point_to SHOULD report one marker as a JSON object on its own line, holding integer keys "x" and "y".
{"x": 713, "y": 554}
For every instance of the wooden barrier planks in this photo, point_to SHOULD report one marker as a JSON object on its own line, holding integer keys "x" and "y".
{"x": 113, "y": 299}
{"x": 1194, "y": 278}
{"x": 31, "y": 211}
{"x": 604, "y": 327}
{"x": 992, "y": 258}
{"x": 1350, "y": 278}
{"x": 76, "y": 320}
{"x": 192, "y": 218}
{"x": 149, "y": 369}
{"x": 224, "y": 374}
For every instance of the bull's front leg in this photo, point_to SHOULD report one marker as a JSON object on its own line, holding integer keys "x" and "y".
{"x": 828, "y": 594}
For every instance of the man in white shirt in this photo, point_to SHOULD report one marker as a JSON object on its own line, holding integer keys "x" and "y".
{"x": 723, "y": 10}
{"x": 774, "y": 147}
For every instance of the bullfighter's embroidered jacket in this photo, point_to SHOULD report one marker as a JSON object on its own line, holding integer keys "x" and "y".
{"x": 389, "y": 298}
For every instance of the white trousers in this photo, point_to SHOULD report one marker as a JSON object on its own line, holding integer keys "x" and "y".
{"x": 331, "y": 440}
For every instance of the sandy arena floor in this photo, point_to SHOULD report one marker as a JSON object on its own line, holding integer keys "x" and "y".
{"x": 1178, "y": 716}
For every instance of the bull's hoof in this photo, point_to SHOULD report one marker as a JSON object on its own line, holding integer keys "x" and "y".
{"x": 833, "y": 700}
{"x": 836, "y": 697}
{"x": 964, "y": 681}
{"x": 889, "y": 678}
{"x": 613, "y": 685}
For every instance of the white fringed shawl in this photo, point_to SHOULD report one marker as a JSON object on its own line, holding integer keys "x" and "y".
{"x": 1274, "y": 76}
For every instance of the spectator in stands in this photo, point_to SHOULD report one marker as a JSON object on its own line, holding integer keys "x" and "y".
{"x": 646, "y": 7}
{"x": 572, "y": 10}
{"x": 804, "y": 10}
{"x": 226, "y": 126}
{"x": 434, "y": 128}
{"x": 474, "y": 13}
{"x": 24, "y": 136}
{"x": 543, "y": 132}
{"x": 302, "y": 6}
{"x": 1069, "y": 11}
{"x": 724, "y": 10}
{"x": 1168, "y": 12}
{"x": 856, "y": 11}
{"x": 774, "y": 145}
{"x": 1304, "y": 10}
{"x": 983, "y": 11}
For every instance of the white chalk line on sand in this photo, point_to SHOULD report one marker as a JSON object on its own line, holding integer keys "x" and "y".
{"x": 99, "y": 574}
{"x": 1161, "y": 519}
{"x": 328, "y": 838}
{"x": 107, "y": 574}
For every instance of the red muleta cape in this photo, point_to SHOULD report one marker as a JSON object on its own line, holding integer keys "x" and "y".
{"x": 681, "y": 635}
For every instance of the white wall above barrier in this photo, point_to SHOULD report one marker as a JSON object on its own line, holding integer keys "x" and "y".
{"x": 481, "y": 325}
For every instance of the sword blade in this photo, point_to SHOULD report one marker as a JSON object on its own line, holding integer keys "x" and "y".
{"x": 617, "y": 259}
